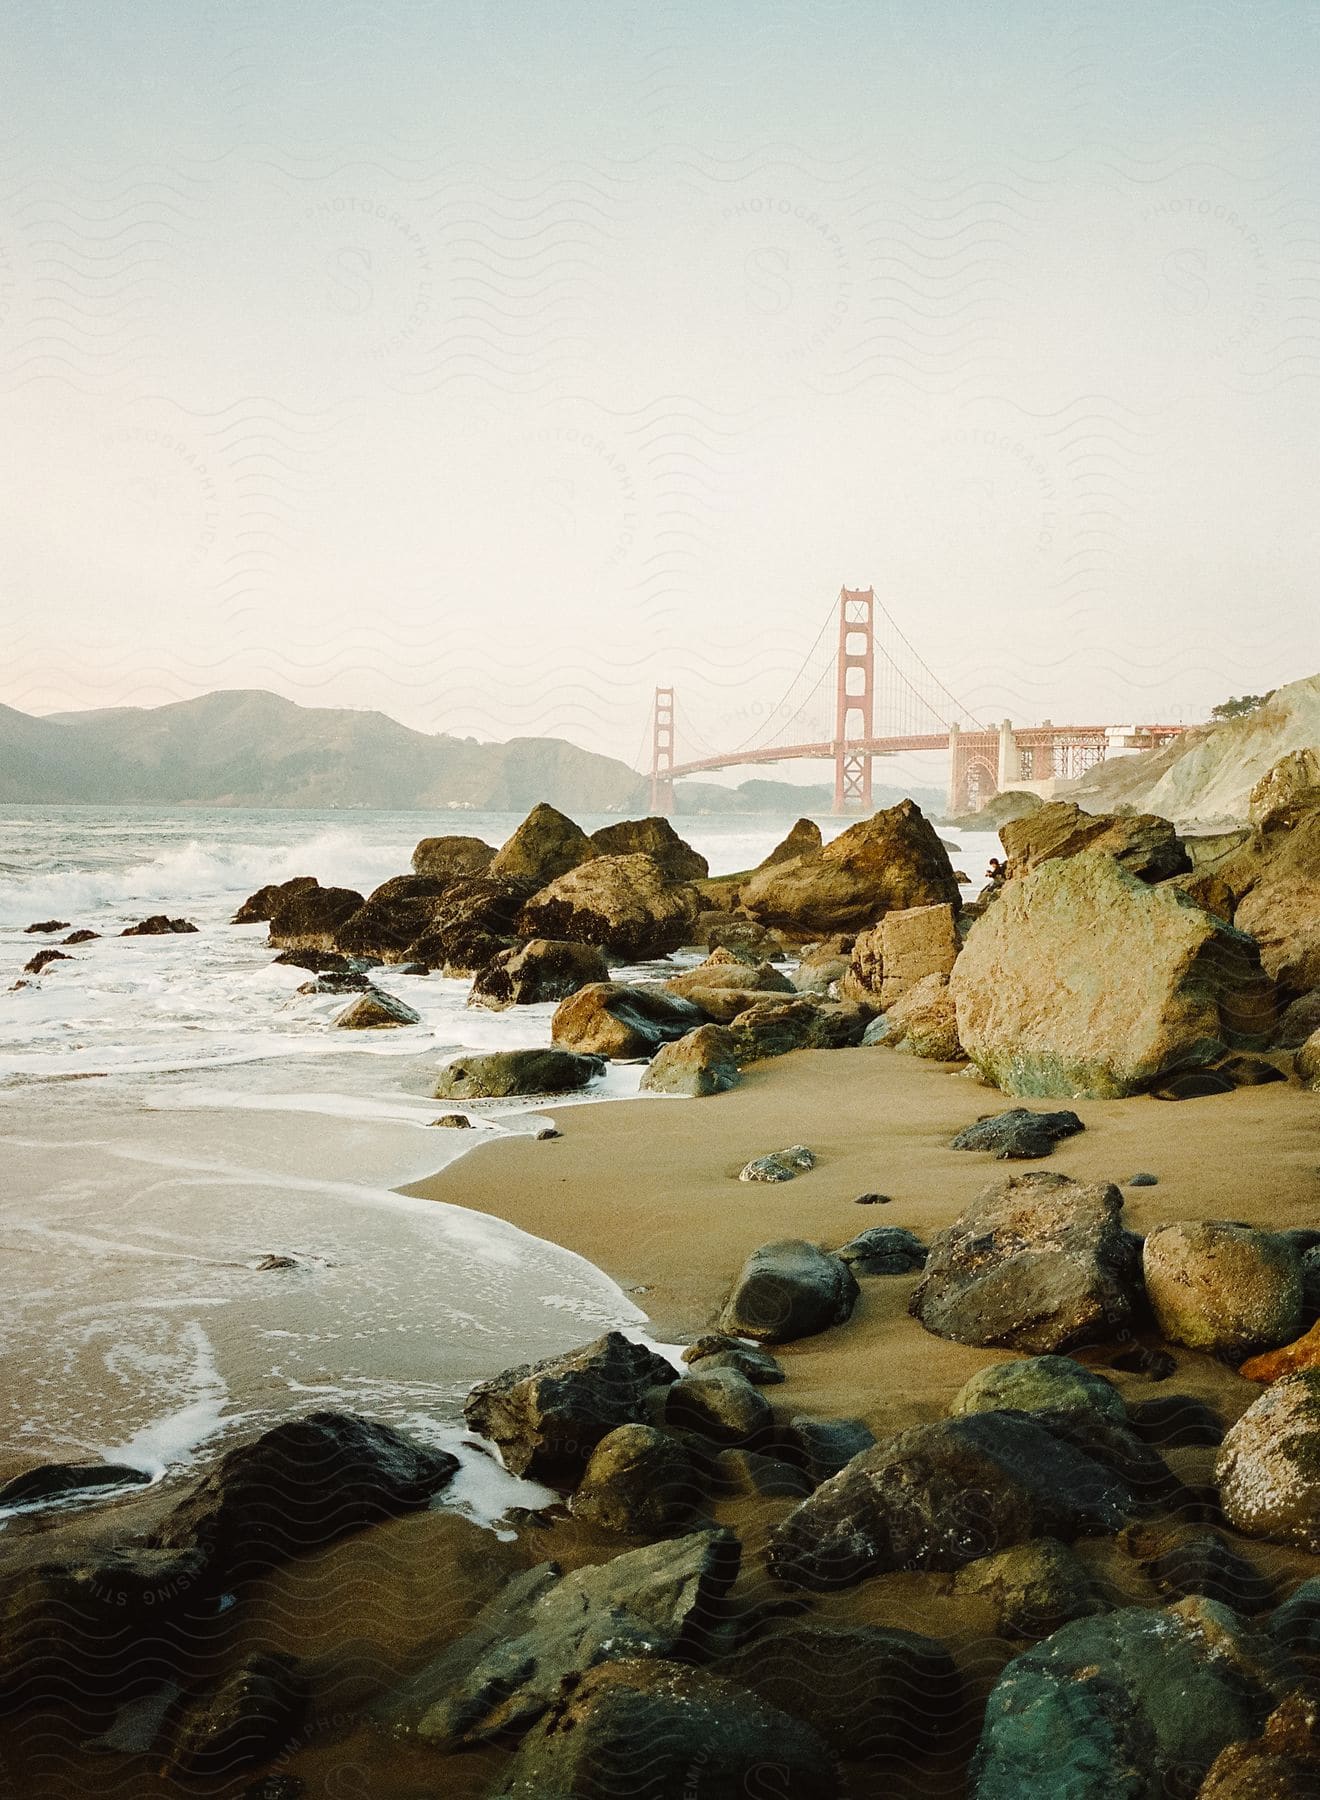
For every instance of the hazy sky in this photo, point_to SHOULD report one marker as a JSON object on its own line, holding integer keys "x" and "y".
{"x": 489, "y": 362}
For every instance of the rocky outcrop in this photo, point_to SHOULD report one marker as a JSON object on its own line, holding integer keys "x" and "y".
{"x": 1144, "y": 845}
{"x": 1292, "y": 783}
{"x": 258, "y": 907}
{"x": 309, "y": 918}
{"x": 446, "y": 857}
{"x": 548, "y": 1417}
{"x": 1082, "y": 980}
{"x": 614, "y": 1019}
{"x": 625, "y": 904}
{"x": 545, "y": 1628}
{"x": 638, "y": 1480}
{"x": 1283, "y": 1763}
{"x": 723, "y": 989}
{"x": 375, "y": 1010}
{"x": 1274, "y": 876}
{"x": 1222, "y": 1287}
{"x": 938, "y": 1496}
{"x": 803, "y": 839}
{"x": 497, "y": 1074}
{"x": 391, "y": 918}
{"x": 1269, "y": 1466}
{"x": 297, "y": 1488}
{"x": 772, "y": 1026}
{"x": 657, "y": 839}
{"x": 877, "y": 866}
{"x": 787, "y": 1290}
{"x": 546, "y": 845}
{"x": 471, "y": 922}
{"x": 158, "y": 925}
{"x": 922, "y": 1022}
{"x": 1135, "y": 1703}
{"x": 915, "y": 942}
{"x": 1037, "y": 1262}
{"x": 700, "y": 1063}
{"x": 544, "y": 969}
{"x": 691, "y": 1724}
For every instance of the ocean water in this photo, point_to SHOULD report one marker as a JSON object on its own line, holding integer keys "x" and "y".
{"x": 173, "y": 1114}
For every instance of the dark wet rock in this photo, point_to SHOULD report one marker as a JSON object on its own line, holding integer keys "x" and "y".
{"x": 638, "y": 1480}
{"x": 1144, "y": 1179}
{"x": 1037, "y": 1262}
{"x": 779, "y": 1165}
{"x": 272, "y": 1262}
{"x": 446, "y": 857}
{"x": 43, "y": 960}
{"x": 48, "y": 925}
{"x": 1035, "y": 1587}
{"x": 874, "y": 1200}
{"x": 1155, "y": 1365}
{"x": 543, "y": 969}
{"x": 698, "y": 1064}
{"x": 338, "y": 981}
{"x": 316, "y": 962}
{"x": 1295, "y": 1625}
{"x": 626, "y": 904}
{"x": 1299, "y": 1021}
{"x": 494, "y": 1074}
{"x": 1175, "y": 1422}
{"x": 81, "y": 937}
{"x": 375, "y": 1010}
{"x": 471, "y": 922}
{"x": 1250, "y": 1071}
{"x": 749, "y": 1472}
{"x": 1200, "y": 1562}
{"x": 546, "y": 845}
{"x": 1218, "y": 1286}
{"x": 309, "y": 918}
{"x": 246, "y": 1718}
{"x": 57, "y": 1481}
{"x": 719, "y": 1404}
{"x": 545, "y": 1627}
{"x": 787, "y": 1290}
{"x": 392, "y": 918}
{"x": 889, "y": 861}
{"x": 548, "y": 1417}
{"x": 941, "y": 1495}
{"x": 870, "y": 1691}
{"x": 158, "y": 925}
{"x": 621, "y": 1020}
{"x": 262, "y": 905}
{"x": 821, "y": 1447}
{"x": 1192, "y": 1084}
{"x": 1135, "y": 1703}
{"x": 772, "y": 1026}
{"x": 657, "y": 839}
{"x": 884, "y": 1250}
{"x": 297, "y": 1488}
{"x": 1018, "y": 1134}
{"x": 1268, "y": 1468}
{"x": 693, "y": 1726}
{"x": 454, "y": 1121}
{"x": 716, "y": 1350}
{"x": 1041, "y": 1384}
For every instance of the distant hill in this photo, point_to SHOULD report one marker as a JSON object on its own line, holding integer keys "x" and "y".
{"x": 246, "y": 747}
{"x": 1206, "y": 776}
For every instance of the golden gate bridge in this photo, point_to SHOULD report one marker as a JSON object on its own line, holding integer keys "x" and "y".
{"x": 863, "y": 691}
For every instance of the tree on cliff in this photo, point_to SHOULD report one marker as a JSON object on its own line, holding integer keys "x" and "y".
{"x": 1240, "y": 705}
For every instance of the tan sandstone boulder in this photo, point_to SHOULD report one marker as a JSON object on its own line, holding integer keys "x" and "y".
{"x": 1293, "y": 781}
{"x": 1275, "y": 876}
{"x": 923, "y": 1021}
{"x": 1217, "y": 1286}
{"x": 656, "y": 838}
{"x": 446, "y": 856}
{"x": 623, "y": 903}
{"x": 916, "y": 942}
{"x": 894, "y": 859}
{"x": 1268, "y": 1469}
{"x": 547, "y": 844}
{"x": 1144, "y": 844}
{"x": 1082, "y": 980}
{"x": 1307, "y": 1061}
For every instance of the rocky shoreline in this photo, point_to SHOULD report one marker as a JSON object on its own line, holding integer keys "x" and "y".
{"x": 1016, "y": 1491}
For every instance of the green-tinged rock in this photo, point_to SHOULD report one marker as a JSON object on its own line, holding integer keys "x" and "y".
{"x": 1035, "y": 1588}
{"x": 1268, "y": 1468}
{"x": 638, "y": 1480}
{"x": 1218, "y": 1286}
{"x": 1041, "y": 1384}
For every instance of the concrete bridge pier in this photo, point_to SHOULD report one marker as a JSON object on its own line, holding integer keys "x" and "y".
{"x": 1010, "y": 760}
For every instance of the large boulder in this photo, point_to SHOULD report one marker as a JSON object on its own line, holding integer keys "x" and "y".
{"x": 446, "y": 857}
{"x": 544, "y": 969}
{"x": 1274, "y": 876}
{"x": 1083, "y": 981}
{"x": 657, "y": 839}
{"x": 1130, "y": 1705}
{"x": 922, "y": 1022}
{"x": 548, "y": 1417}
{"x": 871, "y": 1691}
{"x": 915, "y": 942}
{"x": 773, "y": 1025}
{"x": 639, "y": 1480}
{"x": 1041, "y": 1384}
{"x": 1037, "y": 1262}
{"x": 655, "y": 1730}
{"x": 700, "y": 1063}
{"x": 941, "y": 1495}
{"x": 1223, "y": 1287}
{"x": 391, "y": 918}
{"x": 892, "y": 860}
{"x": 546, "y": 1627}
{"x": 1034, "y": 1588}
{"x": 720, "y": 1404}
{"x": 309, "y": 918}
{"x": 723, "y": 989}
{"x": 471, "y": 921}
{"x": 547, "y": 844}
{"x": 615, "y": 1019}
{"x": 1292, "y": 783}
{"x": 297, "y": 1488}
{"x": 803, "y": 839}
{"x": 626, "y": 904}
{"x": 258, "y": 907}
{"x": 1283, "y": 1763}
{"x": 500, "y": 1074}
{"x": 1269, "y": 1465}
{"x": 375, "y": 1010}
{"x": 1144, "y": 845}
{"x": 786, "y": 1290}
{"x": 245, "y": 1718}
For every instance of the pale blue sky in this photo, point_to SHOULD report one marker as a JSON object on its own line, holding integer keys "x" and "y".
{"x": 490, "y": 363}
